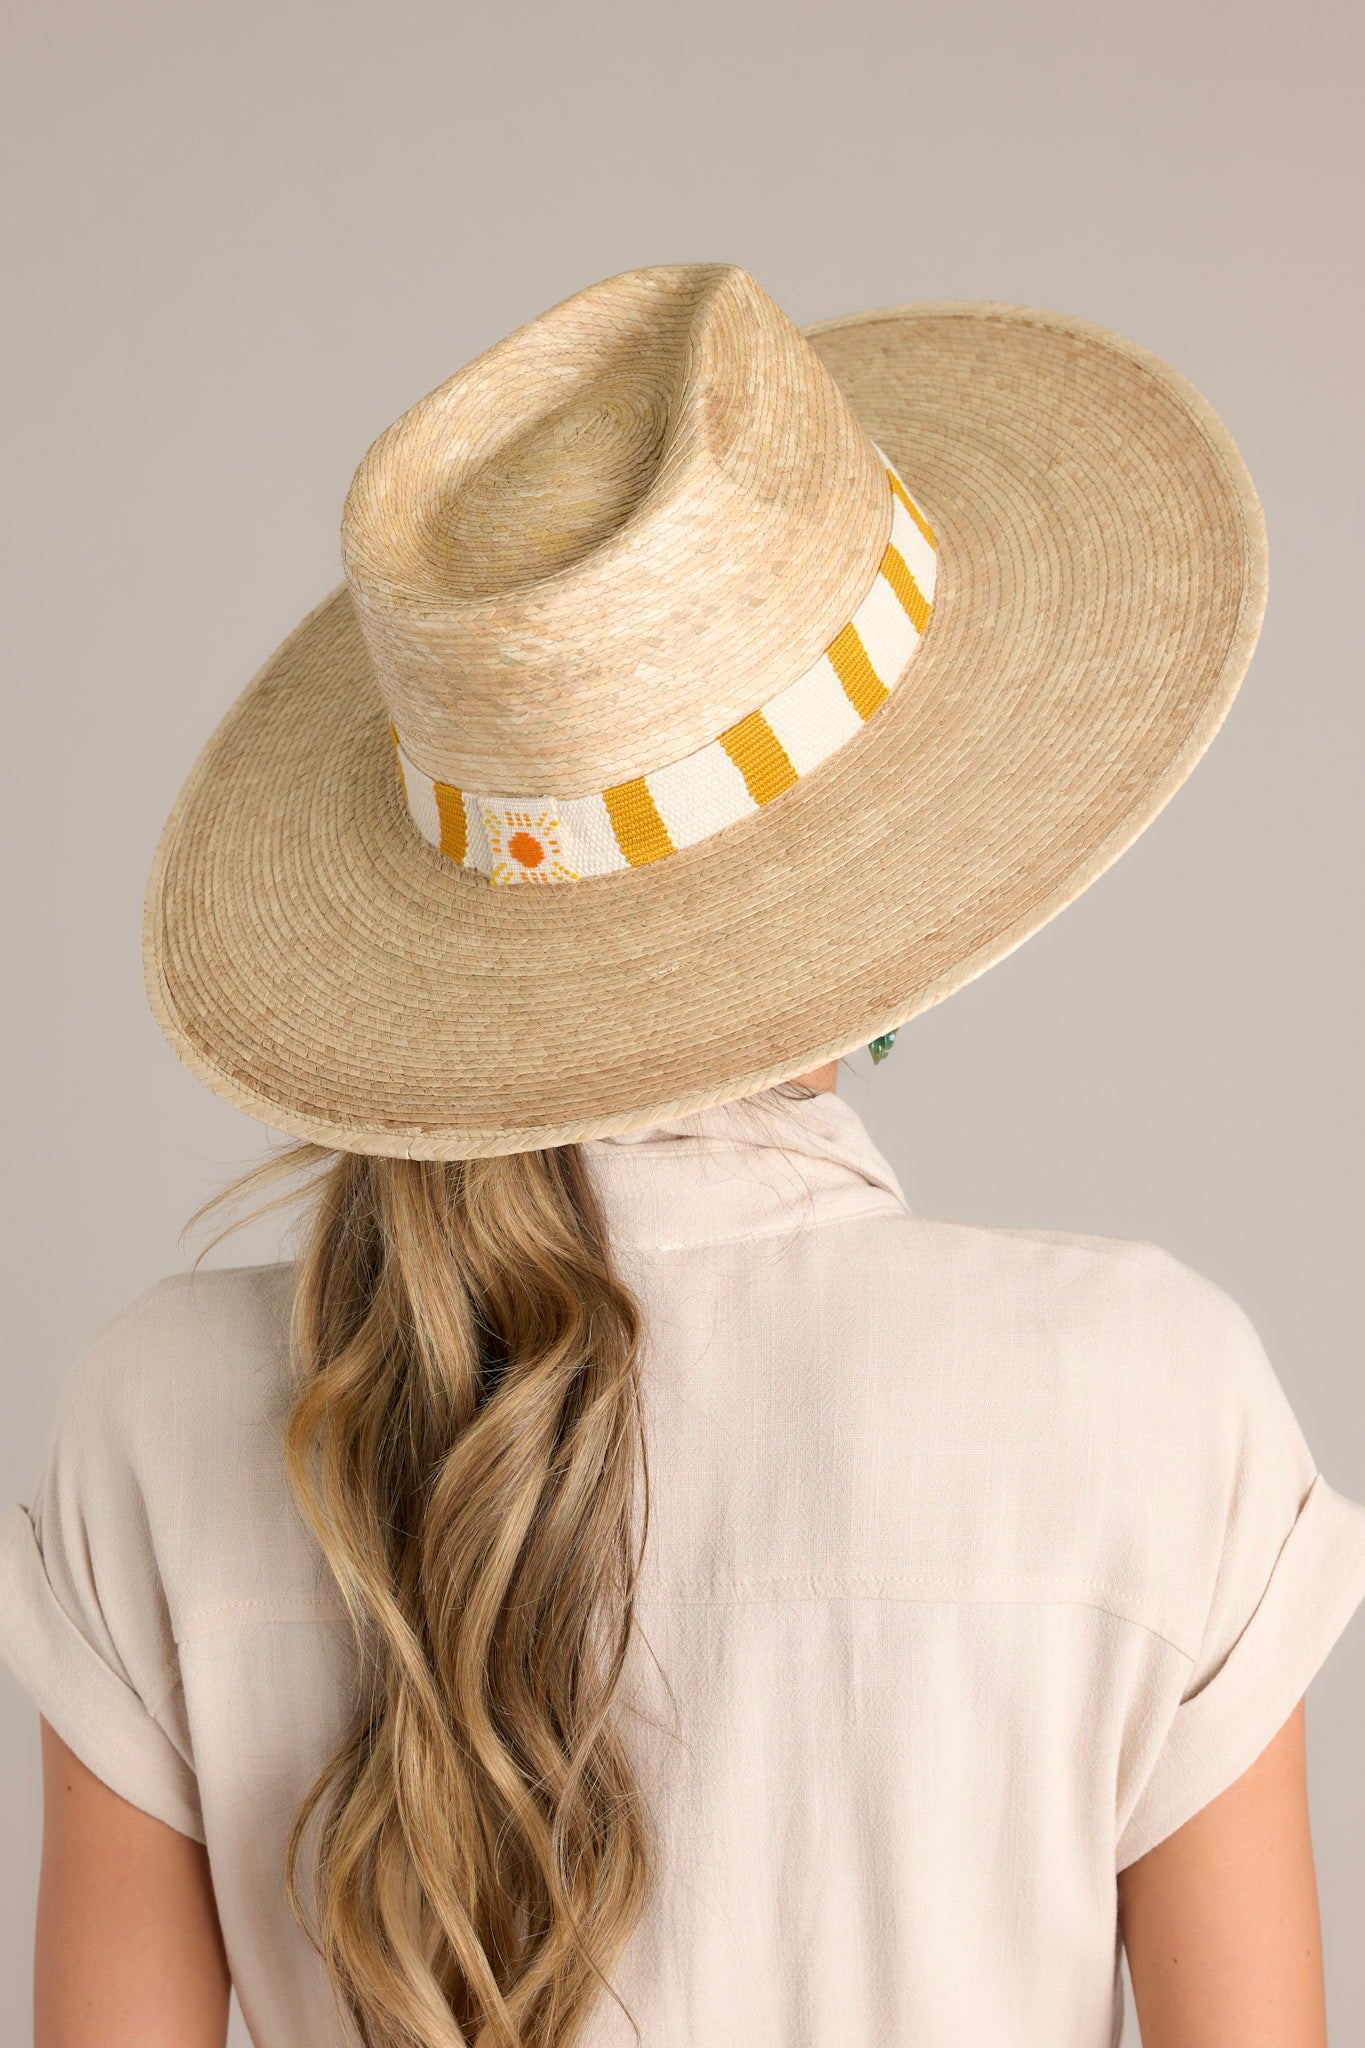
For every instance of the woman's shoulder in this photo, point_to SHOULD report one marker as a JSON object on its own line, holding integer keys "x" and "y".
{"x": 189, "y": 1364}
{"x": 162, "y": 1490}
{"x": 1121, "y": 1344}
{"x": 1129, "y": 1398}
{"x": 1130, "y": 1299}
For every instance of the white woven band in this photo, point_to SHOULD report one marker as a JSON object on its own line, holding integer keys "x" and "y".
{"x": 545, "y": 839}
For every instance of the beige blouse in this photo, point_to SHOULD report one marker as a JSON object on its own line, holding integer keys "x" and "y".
{"x": 979, "y": 1559}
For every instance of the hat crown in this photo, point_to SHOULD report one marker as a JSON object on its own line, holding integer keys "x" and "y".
{"x": 611, "y": 535}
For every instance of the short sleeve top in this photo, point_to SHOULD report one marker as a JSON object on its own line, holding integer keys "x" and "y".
{"x": 979, "y": 1559}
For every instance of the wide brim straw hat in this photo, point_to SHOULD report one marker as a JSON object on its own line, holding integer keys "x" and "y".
{"x": 790, "y": 677}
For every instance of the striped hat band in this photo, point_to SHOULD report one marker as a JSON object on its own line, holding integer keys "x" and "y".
{"x": 549, "y": 839}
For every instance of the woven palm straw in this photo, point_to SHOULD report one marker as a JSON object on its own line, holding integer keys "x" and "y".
{"x": 613, "y": 534}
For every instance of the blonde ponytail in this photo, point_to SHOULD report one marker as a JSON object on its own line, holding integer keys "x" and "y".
{"x": 466, "y": 1443}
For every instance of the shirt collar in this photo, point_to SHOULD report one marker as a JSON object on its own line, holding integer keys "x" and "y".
{"x": 742, "y": 1168}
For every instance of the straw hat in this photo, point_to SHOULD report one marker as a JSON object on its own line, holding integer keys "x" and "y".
{"x": 705, "y": 697}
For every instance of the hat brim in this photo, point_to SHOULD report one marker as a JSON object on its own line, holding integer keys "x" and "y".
{"x": 1101, "y": 586}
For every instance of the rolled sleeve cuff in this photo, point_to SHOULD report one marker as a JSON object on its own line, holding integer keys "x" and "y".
{"x": 95, "y": 1712}
{"x": 1218, "y": 1733}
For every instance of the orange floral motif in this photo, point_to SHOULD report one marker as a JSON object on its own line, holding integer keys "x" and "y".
{"x": 526, "y": 845}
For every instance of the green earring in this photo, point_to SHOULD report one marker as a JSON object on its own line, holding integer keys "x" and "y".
{"x": 880, "y": 1047}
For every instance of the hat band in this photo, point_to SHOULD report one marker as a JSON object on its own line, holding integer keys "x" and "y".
{"x": 546, "y": 839}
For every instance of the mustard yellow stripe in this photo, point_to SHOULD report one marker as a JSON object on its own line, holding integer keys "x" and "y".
{"x": 758, "y": 754}
{"x": 912, "y": 508}
{"x": 450, "y": 810}
{"x": 863, "y": 687}
{"x": 907, "y": 590}
{"x": 640, "y": 832}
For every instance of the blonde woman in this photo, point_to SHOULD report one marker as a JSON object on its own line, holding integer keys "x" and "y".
{"x": 627, "y": 1576}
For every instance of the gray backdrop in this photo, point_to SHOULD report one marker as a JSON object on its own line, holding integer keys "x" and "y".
{"x": 244, "y": 238}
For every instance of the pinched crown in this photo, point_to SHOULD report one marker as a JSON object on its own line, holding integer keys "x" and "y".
{"x": 612, "y": 535}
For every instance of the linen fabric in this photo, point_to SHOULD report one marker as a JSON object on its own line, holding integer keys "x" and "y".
{"x": 979, "y": 1559}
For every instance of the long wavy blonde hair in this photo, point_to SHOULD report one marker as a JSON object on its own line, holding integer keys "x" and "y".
{"x": 466, "y": 1442}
